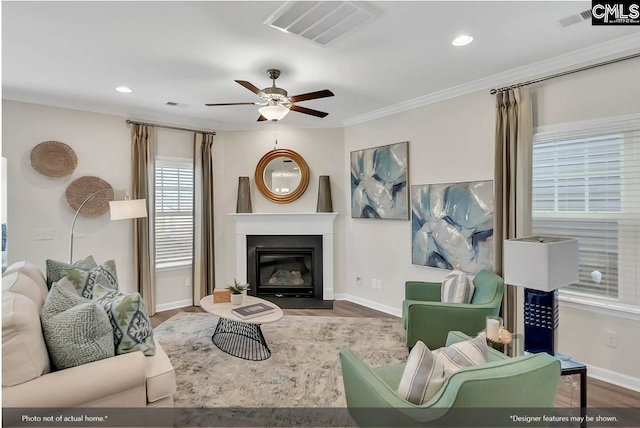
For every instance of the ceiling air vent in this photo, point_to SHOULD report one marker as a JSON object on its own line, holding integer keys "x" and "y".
{"x": 574, "y": 19}
{"x": 318, "y": 21}
{"x": 171, "y": 103}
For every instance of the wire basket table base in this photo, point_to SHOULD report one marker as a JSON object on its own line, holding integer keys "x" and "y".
{"x": 241, "y": 340}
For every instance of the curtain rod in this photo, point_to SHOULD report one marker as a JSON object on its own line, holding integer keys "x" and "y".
{"x": 130, "y": 122}
{"x": 564, "y": 73}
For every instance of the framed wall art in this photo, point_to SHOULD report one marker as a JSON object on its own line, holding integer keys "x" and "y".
{"x": 379, "y": 182}
{"x": 452, "y": 225}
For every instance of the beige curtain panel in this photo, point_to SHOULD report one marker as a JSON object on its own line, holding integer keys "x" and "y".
{"x": 513, "y": 149}
{"x": 204, "y": 271}
{"x": 143, "y": 159}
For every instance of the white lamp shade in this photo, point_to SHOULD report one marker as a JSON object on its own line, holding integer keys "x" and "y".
{"x": 127, "y": 209}
{"x": 541, "y": 263}
{"x": 274, "y": 112}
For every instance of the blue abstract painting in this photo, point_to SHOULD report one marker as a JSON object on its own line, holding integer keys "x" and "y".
{"x": 452, "y": 225}
{"x": 379, "y": 182}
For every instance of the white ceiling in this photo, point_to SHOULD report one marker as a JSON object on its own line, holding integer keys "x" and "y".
{"x": 73, "y": 54}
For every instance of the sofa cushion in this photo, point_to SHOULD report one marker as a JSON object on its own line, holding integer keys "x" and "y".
{"x": 457, "y": 288}
{"x": 57, "y": 270}
{"x": 462, "y": 354}
{"x": 24, "y": 354}
{"x": 129, "y": 318}
{"x": 19, "y": 283}
{"x": 161, "y": 378}
{"x": 85, "y": 280}
{"x": 423, "y": 375}
{"x": 76, "y": 330}
{"x": 32, "y": 271}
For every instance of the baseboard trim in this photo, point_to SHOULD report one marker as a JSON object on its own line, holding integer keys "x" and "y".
{"x": 369, "y": 304}
{"x": 621, "y": 380}
{"x": 174, "y": 305}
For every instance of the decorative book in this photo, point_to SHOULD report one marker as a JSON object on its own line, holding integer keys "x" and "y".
{"x": 252, "y": 311}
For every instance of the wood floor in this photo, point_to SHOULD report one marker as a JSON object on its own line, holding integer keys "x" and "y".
{"x": 599, "y": 394}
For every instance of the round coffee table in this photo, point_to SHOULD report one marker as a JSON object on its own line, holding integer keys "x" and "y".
{"x": 238, "y": 337}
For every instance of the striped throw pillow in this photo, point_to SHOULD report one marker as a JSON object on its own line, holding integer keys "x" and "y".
{"x": 457, "y": 288}
{"x": 423, "y": 375}
{"x": 462, "y": 354}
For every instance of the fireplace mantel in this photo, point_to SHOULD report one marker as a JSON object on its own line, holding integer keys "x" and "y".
{"x": 286, "y": 224}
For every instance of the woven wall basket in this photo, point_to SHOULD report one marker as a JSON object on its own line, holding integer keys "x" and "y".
{"x": 53, "y": 159}
{"x": 81, "y": 188}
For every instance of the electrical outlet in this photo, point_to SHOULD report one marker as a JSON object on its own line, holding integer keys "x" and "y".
{"x": 43, "y": 234}
{"x": 611, "y": 339}
{"x": 373, "y": 284}
{"x": 187, "y": 281}
{"x": 379, "y": 284}
{"x": 359, "y": 281}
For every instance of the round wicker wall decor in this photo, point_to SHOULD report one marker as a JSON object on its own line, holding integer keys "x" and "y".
{"x": 53, "y": 159}
{"x": 82, "y": 188}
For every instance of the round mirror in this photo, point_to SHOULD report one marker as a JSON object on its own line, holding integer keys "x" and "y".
{"x": 282, "y": 176}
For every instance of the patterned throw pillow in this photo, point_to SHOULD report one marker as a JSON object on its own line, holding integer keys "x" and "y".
{"x": 423, "y": 375}
{"x": 457, "y": 288}
{"x": 56, "y": 270}
{"x": 462, "y": 354}
{"x": 76, "y": 330}
{"x": 85, "y": 280}
{"x": 129, "y": 318}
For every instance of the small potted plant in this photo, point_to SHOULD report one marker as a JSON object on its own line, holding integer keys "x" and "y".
{"x": 237, "y": 291}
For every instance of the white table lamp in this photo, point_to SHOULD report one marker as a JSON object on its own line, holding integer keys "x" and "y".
{"x": 541, "y": 264}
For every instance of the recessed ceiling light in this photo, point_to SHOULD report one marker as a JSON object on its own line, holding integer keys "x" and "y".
{"x": 462, "y": 40}
{"x": 124, "y": 89}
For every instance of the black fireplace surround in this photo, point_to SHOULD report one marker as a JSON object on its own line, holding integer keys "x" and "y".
{"x": 285, "y": 269}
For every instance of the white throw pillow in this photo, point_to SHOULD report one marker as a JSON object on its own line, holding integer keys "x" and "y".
{"x": 462, "y": 354}
{"x": 24, "y": 353}
{"x": 457, "y": 288}
{"x": 423, "y": 375}
{"x": 18, "y": 282}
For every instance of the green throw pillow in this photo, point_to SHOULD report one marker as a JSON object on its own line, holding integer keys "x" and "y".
{"x": 76, "y": 330}
{"x": 85, "y": 280}
{"x": 129, "y": 318}
{"x": 57, "y": 270}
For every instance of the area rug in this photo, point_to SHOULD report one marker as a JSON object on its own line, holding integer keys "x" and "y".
{"x": 303, "y": 370}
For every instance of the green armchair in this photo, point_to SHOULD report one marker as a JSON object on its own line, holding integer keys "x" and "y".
{"x": 427, "y": 319}
{"x": 515, "y": 383}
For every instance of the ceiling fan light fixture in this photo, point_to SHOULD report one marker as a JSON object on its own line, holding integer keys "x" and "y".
{"x": 274, "y": 112}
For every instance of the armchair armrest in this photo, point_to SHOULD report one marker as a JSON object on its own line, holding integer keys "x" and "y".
{"x": 430, "y": 322}
{"x": 424, "y": 291}
{"x": 82, "y": 384}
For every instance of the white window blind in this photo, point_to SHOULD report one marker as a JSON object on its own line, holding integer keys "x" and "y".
{"x": 174, "y": 212}
{"x": 589, "y": 188}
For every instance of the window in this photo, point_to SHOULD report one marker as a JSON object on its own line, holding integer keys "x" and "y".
{"x": 174, "y": 212}
{"x": 589, "y": 188}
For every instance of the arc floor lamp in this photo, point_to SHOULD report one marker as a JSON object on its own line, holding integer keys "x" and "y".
{"x": 120, "y": 210}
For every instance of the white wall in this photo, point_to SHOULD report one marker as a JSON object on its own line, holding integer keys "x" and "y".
{"x": 238, "y": 152}
{"x": 448, "y": 142}
{"x": 102, "y": 145}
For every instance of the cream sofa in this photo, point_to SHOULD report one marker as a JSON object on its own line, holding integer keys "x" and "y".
{"x": 128, "y": 380}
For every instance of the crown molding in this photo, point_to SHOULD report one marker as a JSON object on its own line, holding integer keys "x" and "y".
{"x": 613, "y": 48}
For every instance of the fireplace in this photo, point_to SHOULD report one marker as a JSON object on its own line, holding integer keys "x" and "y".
{"x": 287, "y": 225}
{"x": 286, "y": 269}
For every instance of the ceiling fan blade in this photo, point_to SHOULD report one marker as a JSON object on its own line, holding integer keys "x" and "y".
{"x": 252, "y": 88}
{"x": 308, "y": 111}
{"x": 311, "y": 96}
{"x": 261, "y": 118}
{"x": 232, "y": 104}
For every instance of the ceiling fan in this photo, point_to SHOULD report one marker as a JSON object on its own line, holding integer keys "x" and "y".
{"x": 276, "y": 102}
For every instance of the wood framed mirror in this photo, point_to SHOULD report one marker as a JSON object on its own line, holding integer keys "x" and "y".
{"x": 282, "y": 176}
